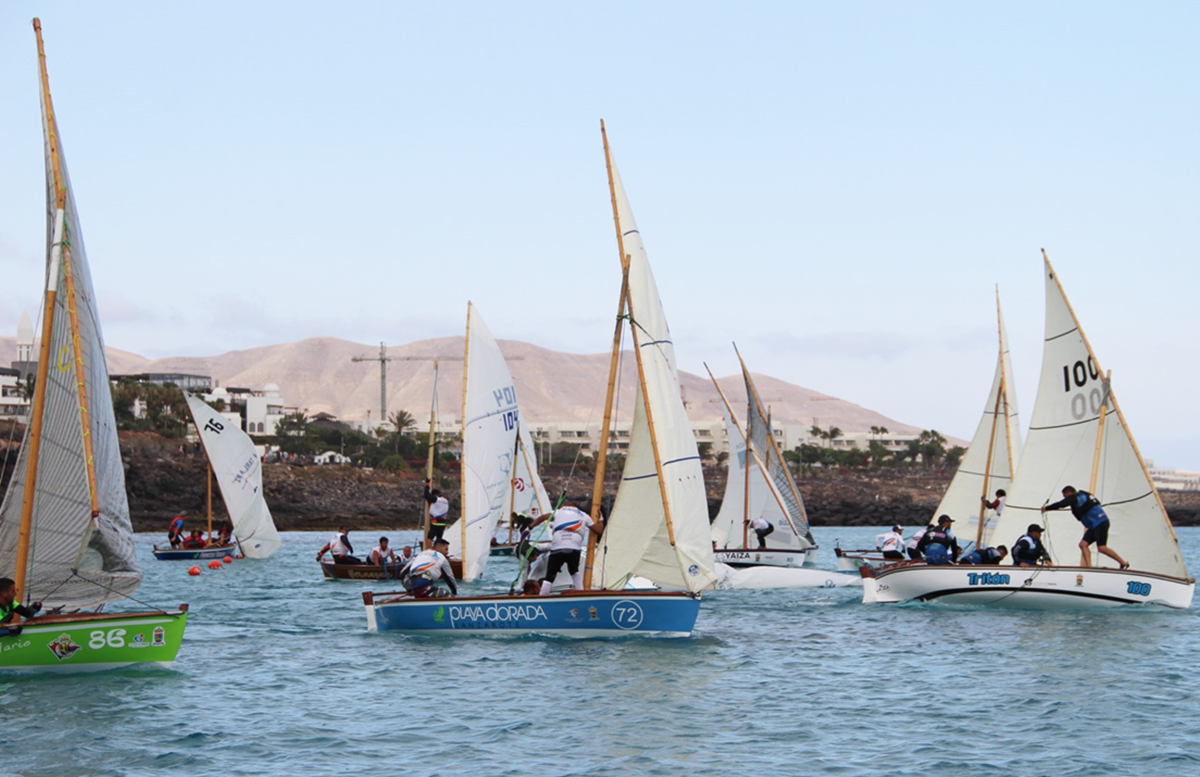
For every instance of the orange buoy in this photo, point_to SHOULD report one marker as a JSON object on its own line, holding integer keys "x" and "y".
{"x": 227, "y": 560}
{"x": 214, "y": 564}
{"x": 194, "y": 571}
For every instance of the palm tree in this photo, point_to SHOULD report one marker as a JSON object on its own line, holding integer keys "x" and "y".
{"x": 401, "y": 421}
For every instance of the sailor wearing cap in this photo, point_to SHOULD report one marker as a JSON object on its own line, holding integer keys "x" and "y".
{"x": 939, "y": 545}
{"x": 1029, "y": 551}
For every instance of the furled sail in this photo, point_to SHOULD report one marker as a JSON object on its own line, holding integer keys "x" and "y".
{"x": 490, "y": 420}
{"x": 1068, "y": 445}
{"x": 238, "y": 470}
{"x": 991, "y": 458}
{"x": 658, "y": 527}
{"x": 786, "y": 505}
{"x": 81, "y": 551}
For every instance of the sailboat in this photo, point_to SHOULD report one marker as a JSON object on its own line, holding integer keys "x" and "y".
{"x": 658, "y": 526}
{"x": 766, "y": 490}
{"x": 987, "y": 466}
{"x": 490, "y": 420}
{"x": 64, "y": 522}
{"x": 235, "y": 462}
{"x": 1077, "y": 435}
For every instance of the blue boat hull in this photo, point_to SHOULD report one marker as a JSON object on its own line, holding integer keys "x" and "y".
{"x": 583, "y": 614}
{"x": 194, "y": 554}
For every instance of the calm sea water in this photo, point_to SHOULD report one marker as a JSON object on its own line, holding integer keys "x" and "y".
{"x": 277, "y": 675}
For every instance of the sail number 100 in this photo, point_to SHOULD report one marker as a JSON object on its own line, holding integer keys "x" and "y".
{"x": 1077, "y": 375}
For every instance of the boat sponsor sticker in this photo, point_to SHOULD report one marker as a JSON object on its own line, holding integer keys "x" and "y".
{"x": 480, "y": 616}
{"x": 63, "y": 647}
{"x": 987, "y": 578}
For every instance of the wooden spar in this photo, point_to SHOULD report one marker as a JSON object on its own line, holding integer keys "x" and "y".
{"x": 518, "y": 450}
{"x": 430, "y": 446}
{"x": 1112, "y": 397}
{"x": 209, "y": 468}
{"x": 25, "y": 532}
{"x": 987, "y": 467}
{"x": 1097, "y": 453}
{"x": 1008, "y": 440}
{"x": 752, "y": 393}
{"x": 462, "y": 494}
{"x": 614, "y": 363}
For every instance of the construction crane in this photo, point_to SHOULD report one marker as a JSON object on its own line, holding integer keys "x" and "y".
{"x": 383, "y": 359}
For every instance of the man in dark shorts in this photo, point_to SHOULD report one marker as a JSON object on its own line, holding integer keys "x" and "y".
{"x": 1087, "y": 510}
{"x": 568, "y": 527}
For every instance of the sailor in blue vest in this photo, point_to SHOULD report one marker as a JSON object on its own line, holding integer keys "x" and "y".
{"x": 568, "y": 527}
{"x": 939, "y": 545}
{"x": 1087, "y": 510}
{"x": 1029, "y": 551}
{"x": 986, "y": 555}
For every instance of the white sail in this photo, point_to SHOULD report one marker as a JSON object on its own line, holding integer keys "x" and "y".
{"x": 529, "y": 495}
{"x": 782, "y": 504}
{"x": 1065, "y": 444}
{"x": 238, "y": 471}
{"x": 82, "y": 552}
{"x": 490, "y": 420}
{"x": 992, "y": 456}
{"x": 727, "y": 526}
{"x": 659, "y": 526}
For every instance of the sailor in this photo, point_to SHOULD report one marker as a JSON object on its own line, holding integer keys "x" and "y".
{"x": 382, "y": 553}
{"x": 891, "y": 543}
{"x": 9, "y": 606}
{"x": 914, "y": 541}
{"x": 996, "y": 504}
{"x": 986, "y": 555}
{"x": 568, "y": 527}
{"x": 1087, "y": 510}
{"x": 439, "y": 508}
{"x": 340, "y": 548}
{"x": 194, "y": 540}
{"x": 175, "y": 530}
{"x": 762, "y": 527}
{"x": 1029, "y": 551}
{"x": 422, "y": 573}
{"x": 939, "y": 545}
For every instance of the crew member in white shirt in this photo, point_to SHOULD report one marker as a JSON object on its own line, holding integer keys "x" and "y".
{"x": 568, "y": 528}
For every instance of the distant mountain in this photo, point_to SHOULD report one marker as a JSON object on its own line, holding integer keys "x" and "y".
{"x": 317, "y": 375}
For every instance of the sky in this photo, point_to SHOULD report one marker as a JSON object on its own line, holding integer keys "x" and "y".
{"x": 839, "y": 188}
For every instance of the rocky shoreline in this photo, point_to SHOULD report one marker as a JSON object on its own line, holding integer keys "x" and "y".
{"x": 310, "y": 497}
{"x": 161, "y": 484}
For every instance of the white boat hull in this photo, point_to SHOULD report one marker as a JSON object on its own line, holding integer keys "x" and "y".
{"x": 761, "y": 578}
{"x": 739, "y": 558}
{"x": 810, "y": 556}
{"x": 1038, "y": 588}
{"x": 851, "y": 560}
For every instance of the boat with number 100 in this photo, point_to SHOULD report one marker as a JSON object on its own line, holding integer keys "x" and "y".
{"x": 1077, "y": 436}
{"x": 65, "y": 534}
{"x": 658, "y": 527}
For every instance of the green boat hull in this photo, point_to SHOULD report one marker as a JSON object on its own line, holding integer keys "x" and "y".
{"x": 94, "y": 642}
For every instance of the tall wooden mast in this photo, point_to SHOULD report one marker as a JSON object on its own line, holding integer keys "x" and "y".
{"x": 462, "y": 493}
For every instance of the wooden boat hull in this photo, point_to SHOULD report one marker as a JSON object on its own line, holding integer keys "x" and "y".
{"x": 1038, "y": 588}
{"x": 572, "y": 614}
{"x": 194, "y": 554}
{"x": 739, "y": 558}
{"x": 373, "y": 571}
{"x": 92, "y": 642}
{"x": 851, "y": 560}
